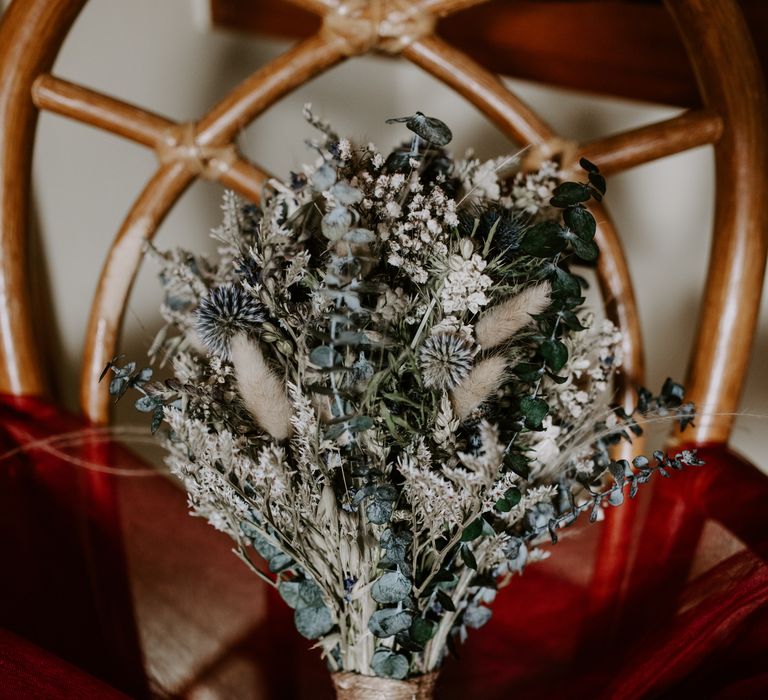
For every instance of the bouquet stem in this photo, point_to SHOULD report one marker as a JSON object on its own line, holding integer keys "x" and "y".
{"x": 355, "y": 686}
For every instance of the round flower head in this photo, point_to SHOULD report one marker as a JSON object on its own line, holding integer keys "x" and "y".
{"x": 445, "y": 359}
{"x": 226, "y": 311}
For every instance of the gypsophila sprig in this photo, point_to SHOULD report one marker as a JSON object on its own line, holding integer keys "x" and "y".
{"x": 387, "y": 391}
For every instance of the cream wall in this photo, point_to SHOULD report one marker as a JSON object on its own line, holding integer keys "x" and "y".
{"x": 158, "y": 54}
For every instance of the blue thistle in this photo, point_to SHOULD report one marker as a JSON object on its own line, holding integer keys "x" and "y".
{"x": 225, "y": 312}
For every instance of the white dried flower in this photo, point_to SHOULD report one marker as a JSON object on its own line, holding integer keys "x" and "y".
{"x": 465, "y": 284}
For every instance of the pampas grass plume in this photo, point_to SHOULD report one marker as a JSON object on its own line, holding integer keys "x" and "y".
{"x": 263, "y": 393}
{"x": 476, "y": 388}
{"x": 501, "y": 322}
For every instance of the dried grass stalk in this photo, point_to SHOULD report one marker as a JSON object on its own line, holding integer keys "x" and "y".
{"x": 263, "y": 393}
{"x": 484, "y": 379}
{"x": 501, "y": 322}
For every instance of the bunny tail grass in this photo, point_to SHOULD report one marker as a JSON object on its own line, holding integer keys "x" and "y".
{"x": 484, "y": 379}
{"x": 501, "y": 322}
{"x": 262, "y": 392}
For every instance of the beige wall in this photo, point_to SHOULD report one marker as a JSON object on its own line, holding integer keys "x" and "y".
{"x": 85, "y": 180}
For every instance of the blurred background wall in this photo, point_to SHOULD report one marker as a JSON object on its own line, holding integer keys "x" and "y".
{"x": 164, "y": 56}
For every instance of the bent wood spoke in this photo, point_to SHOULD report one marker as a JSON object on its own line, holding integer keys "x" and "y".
{"x": 631, "y": 148}
{"x": 731, "y": 301}
{"x": 96, "y": 109}
{"x": 443, "y": 8}
{"x": 318, "y": 7}
{"x": 31, "y": 33}
{"x": 140, "y": 126}
{"x": 245, "y": 179}
{"x": 117, "y": 277}
{"x": 620, "y": 303}
{"x": 219, "y": 127}
{"x": 264, "y": 87}
{"x": 481, "y": 88}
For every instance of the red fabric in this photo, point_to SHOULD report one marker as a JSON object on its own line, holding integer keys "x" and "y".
{"x": 28, "y": 672}
{"x": 688, "y": 619}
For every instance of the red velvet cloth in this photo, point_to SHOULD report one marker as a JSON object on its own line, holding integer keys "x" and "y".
{"x": 667, "y": 598}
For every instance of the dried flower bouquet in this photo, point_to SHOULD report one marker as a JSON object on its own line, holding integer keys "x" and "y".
{"x": 386, "y": 386}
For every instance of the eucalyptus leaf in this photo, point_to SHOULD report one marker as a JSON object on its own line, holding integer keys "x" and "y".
{"x": 157, "y": 419}
{"x": 475, "y": 616}
{"x": 422, "y": 630}
{"x": 360, "y": 235}
{"x": 543, "y": 240}
{"x": 581, "y": 222}
{"x": 126, "y": 370}
{"x": 586, "y": 250}
{"x": 324, "y": 356}
{"x": 313, "y": 622}
{"x": 468, "y": 557}
{"x": 569, "y": 193}
{"x": 392, "y": 587}
{"x": 145, "y": 404}
{"x": 555, "y": 353}
{"x": 336, "y": 223}
{"x": 534, "y": 410}
{"x": 387, "y": 664}
{"x": 346, "y": 194}
{"x": 323, "y": 178}
{"x": 117, "y": 385}
{"x": 389, "y": 621}
{"x": 588, "y": 165}
{"x": 445, "y": 601}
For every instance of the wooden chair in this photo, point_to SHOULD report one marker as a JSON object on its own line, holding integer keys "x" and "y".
{"x": 732, "y": 119}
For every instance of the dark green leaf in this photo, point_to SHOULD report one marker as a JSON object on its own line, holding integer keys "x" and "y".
{"x": 513, "y": 495}
{"x": 555, "y": 353}
{"x": 581, "y": 222}
{"x": 598, "y": 182}
{"x": 534, "y": 410}
{"x": 518, "y": 464}
{"x": 422, "y": 630}
{"x": 571, "y": 321}
{"x": 565, "y": 284}
{"x": 473, "y": 530}
{"x": 586, "y": 250}
{"x": 569, "y": 193}
{"x": 503, "y": 505}
{"x": 543, "y": 240}
{"x": 468, "y": 557}
{"x": 589, "y": 166}
{"x": 672, "y": 393}
{"x": 445, "y": 600}
{"x": 528, "y": 371}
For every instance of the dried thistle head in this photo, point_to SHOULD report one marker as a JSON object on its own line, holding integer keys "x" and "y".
{"x": 445, "y": 359}
{"x": 225, "y": 312}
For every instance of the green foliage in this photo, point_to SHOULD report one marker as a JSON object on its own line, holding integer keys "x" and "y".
{"x": 392, "y": 587}
{"x": 388, "y": 622}
{"x": 388, "y": 664}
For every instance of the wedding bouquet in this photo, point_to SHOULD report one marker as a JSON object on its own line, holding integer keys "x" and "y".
{"x": 388, "y": 393}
